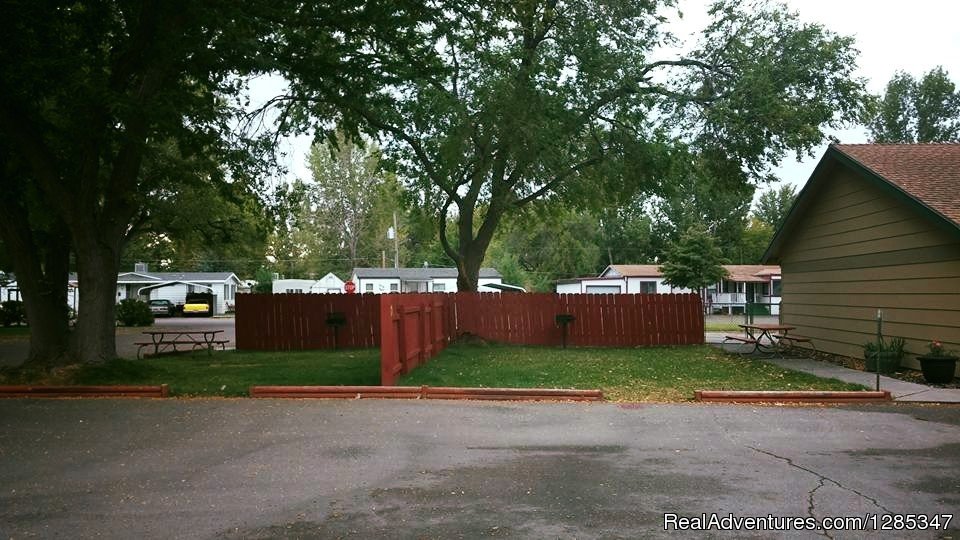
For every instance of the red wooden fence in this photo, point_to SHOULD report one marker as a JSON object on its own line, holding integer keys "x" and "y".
{"x": 414, "y": 327}
{"x": 601, "y": 320}
{"x": 274, "y": 322}
{"x": 411, "y": 328}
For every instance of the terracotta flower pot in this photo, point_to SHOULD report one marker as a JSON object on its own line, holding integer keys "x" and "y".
{"x": 938, "y": 369}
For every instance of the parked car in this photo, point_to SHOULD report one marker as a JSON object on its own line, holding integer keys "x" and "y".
{"x": 164, "y": 308}
{"x": 198, "y": 304}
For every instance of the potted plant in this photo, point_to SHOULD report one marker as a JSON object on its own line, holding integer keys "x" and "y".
{"x": 887, "y": 354}
{"x": 939, "y": 364}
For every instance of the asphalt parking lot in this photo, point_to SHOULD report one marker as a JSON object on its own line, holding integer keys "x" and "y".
{"x": 13, "y": 351}
{"x": 389, "y": 469}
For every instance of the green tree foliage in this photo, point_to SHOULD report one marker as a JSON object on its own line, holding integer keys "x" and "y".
{"x": 89, "y": 107}
{"x": 754, "y": 242}
{"x": 697, "y": 193}
{"x": 625, "y": 234}
{"x": 535, "y": 250}
{"x": 204, "y": 225}
{"x": 773, "y": 205}
{"x": 518, "y": 101}
{"x": 295, "y": 246}
{"x": 100, "y": 88}
{"x": 694, "y": 261}
{"x": 264, "y": 279}
{"x": 353, "y": 202}
{"x": 911, "y": 110}
{"x": 339, "y": 220}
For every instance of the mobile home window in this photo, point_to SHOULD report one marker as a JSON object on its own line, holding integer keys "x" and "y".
{"x": 368, "y": 287}
{"x": 648, "y": 287}
{"x": 394, "y": 287}
{"x": 439, "y": 287}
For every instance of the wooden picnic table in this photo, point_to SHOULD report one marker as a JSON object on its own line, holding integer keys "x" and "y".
{"x": 774, "y": 334}
{"x": 168, "y": 340}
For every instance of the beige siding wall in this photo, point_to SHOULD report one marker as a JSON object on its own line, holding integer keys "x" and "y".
{"x": 859, "y": 249}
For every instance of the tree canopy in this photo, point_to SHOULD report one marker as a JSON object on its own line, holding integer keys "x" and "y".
{"x": 773, "y": 205}
{"x": 917, "y": 110}
{"x": 694, "y": 261}
{"x": 524, "y": 101}
{"x": 102, "y": 93}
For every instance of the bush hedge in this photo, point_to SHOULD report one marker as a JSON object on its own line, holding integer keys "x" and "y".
{"x": 133, "y": 312}
{"x": 12, "y": 312}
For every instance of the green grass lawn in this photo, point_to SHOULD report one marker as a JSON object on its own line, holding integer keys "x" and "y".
{"x": 227, "y": 373}
{"x": 642, "y": 374}
{"x": 722, "y": 327}
{"x": 14, "y": 332}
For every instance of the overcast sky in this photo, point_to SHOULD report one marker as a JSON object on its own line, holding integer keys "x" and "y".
{"x": 913, "y": 36}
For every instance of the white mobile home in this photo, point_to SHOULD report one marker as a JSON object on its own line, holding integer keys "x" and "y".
{"x": 730, "y": 295}
{"x": 174, "y": 286}
{"x": 428, "y": 279}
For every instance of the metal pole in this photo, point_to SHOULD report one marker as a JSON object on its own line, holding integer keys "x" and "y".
{"x": 879, "y": 344}
{"x": 396, "y": 243}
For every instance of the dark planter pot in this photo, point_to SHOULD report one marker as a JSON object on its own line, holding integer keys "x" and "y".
{"x": 889, "y": 362}
{"x": 938, "y": 369}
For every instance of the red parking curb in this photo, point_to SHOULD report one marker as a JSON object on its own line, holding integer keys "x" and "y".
{"x": 815, "y": 396}
{"x": 158, "y": 391}
{"x": 424, "y": 392}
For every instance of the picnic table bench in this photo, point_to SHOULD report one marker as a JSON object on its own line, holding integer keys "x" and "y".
{"x": 765, "y": 338}
{"x": 790, "y": 341}
{"x": 168, "y": 341}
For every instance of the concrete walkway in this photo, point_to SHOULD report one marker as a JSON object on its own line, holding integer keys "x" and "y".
{"x": 902, "y": 391}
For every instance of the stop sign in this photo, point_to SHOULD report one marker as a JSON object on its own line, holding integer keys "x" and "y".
{"x": 349, "y": 287}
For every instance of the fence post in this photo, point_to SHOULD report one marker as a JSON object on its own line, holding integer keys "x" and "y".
{"x": 389, "y": 340}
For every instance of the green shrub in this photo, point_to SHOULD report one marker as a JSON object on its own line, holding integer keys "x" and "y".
{"x": 12, "y": 312}
{"x": 132, "y": 312}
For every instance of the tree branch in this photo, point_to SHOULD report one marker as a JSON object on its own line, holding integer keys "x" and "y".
{"x": 585, "y": 164}
{"x": 444, "y": 242}
{"x": 683, "y": 62}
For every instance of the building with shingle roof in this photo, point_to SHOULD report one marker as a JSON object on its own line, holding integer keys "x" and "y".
{"x": 730, "y": 295}
{"x": 145, "y": 285}
{"x": 425, "y": 279}
{"x": 876, "y": 228}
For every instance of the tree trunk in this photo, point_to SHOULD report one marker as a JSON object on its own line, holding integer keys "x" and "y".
{"x": 95, "y": 336}
{"x": 45, "y": 302}
{"x": 471, "y": 248}
{"x": 41, "y": 261}
{"x": 468, "y": 268}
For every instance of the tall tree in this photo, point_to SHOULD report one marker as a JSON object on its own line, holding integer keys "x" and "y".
{"x": 99, "y": 85}
{"x": 540, "y": 97}
{"x": 773, "y": 205}
{"x": 911, "y": 110}
{"x": 38, "y": 247}
{"x": 347, "y": 187}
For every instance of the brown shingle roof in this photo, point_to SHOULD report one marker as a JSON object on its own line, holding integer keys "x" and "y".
{"x": 930, "y": 173}
{"x": 751, "y": 272}
{"x": 637, "y": 270}
{"x": 738, "y": 272}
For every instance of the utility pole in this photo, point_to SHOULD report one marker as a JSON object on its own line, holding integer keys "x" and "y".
{"x": 396, "y": 242}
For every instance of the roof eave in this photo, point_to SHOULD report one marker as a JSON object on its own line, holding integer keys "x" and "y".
{"x": 772, "y": 254}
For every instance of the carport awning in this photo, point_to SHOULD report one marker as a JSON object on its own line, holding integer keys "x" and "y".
{"x": 168, "y": 283}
